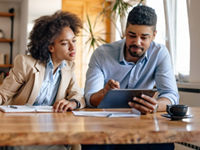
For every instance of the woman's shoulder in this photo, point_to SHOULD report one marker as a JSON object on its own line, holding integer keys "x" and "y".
{"x": 24, "y": 60}
{"x": 24, "y": 57}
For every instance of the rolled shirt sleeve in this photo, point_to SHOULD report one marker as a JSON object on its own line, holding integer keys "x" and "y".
{"x": 94, "y": 79}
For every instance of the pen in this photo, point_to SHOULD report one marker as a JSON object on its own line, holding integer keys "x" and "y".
{"x": 109, "y": 115}
{"x": 14, "y": 107}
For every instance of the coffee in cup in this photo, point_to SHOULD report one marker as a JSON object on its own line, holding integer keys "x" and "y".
{"x": 177, "y": 110}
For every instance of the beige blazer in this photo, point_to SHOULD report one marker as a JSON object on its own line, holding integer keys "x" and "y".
{"x": 23, "y": 83}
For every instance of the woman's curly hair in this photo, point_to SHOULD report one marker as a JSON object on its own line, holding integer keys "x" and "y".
{"x": 46, "y": 29}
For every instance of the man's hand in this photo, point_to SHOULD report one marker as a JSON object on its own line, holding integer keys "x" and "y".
{"x": 111, "y": 84}
{"x": 64, "y": 105}
{"x": 96, "y": 98}
{"x": 145, "y": 104}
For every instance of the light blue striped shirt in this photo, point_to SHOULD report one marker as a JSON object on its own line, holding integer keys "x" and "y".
{"x": 50, "y": 85}
{"x": 154, "y": 68}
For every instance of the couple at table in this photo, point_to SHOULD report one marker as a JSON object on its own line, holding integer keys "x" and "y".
{"x": 46, "y": 76}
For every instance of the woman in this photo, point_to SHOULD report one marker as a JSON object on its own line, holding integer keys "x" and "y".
{"x": 46, "y": 76}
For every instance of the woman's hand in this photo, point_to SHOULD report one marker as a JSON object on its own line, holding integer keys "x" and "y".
{"x": 64, "y": 105}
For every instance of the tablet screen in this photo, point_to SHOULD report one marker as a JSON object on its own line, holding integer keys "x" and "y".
{"x": 119, "y": 98}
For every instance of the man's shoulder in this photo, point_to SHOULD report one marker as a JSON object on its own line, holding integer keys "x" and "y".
{"x": 107, "y": 52}
{"x": 158, "y": 53}
{"x": 158, "y": 48}
{"x": 114, "y": 46}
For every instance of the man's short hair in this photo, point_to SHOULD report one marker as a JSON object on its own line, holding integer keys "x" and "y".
{"x": 142, "y": 15}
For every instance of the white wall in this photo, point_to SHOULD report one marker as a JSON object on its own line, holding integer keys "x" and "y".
{"x": 23, "y": 26}
{"x": 194, "y": 22}
{"x": 26, "y": 11}
{"x": 37, "y": 8}
{"x": 42, "y": 7}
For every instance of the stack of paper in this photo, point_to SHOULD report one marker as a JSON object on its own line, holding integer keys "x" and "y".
{"x": 105, "y": 114}
{"x": 26, "y": 108}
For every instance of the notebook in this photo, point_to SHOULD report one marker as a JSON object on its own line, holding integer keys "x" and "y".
{"x": 26, "y": 108}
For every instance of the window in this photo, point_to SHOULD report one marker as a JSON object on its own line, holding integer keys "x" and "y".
{"x": 182, "y": 39}
{"x": 161, "y": 28}
{"x": 180, "y": 27}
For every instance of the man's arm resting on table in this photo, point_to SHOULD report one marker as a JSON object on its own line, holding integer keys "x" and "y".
{"x": 162, "y": 103}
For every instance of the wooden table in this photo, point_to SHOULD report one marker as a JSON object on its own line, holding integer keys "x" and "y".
{"x": 65, "y": 128}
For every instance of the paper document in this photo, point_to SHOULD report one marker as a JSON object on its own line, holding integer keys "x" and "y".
{"x": 105, "y": 114}
{"x": 123, "y": 115}
{"x": 26, "y": 108}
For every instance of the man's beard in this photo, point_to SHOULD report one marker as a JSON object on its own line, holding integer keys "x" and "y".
{"x": 135, "y": 54}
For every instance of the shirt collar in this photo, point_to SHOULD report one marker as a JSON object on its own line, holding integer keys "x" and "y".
{"x": 50, "y": 64}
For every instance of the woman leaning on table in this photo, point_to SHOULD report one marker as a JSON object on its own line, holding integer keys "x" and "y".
{"x": 46, "y": 76}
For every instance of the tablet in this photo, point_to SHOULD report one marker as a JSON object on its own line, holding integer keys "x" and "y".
{"x": 119, "y": 98}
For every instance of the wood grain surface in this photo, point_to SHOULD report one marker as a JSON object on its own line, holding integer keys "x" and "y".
{"x": 65, "y": 128}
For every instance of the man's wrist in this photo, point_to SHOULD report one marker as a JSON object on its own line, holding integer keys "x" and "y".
{"x": 78, "y": 104}
{"x": 104, "y": 91}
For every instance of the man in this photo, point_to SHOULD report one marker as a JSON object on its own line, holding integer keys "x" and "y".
{"x": 134, "y": 62}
